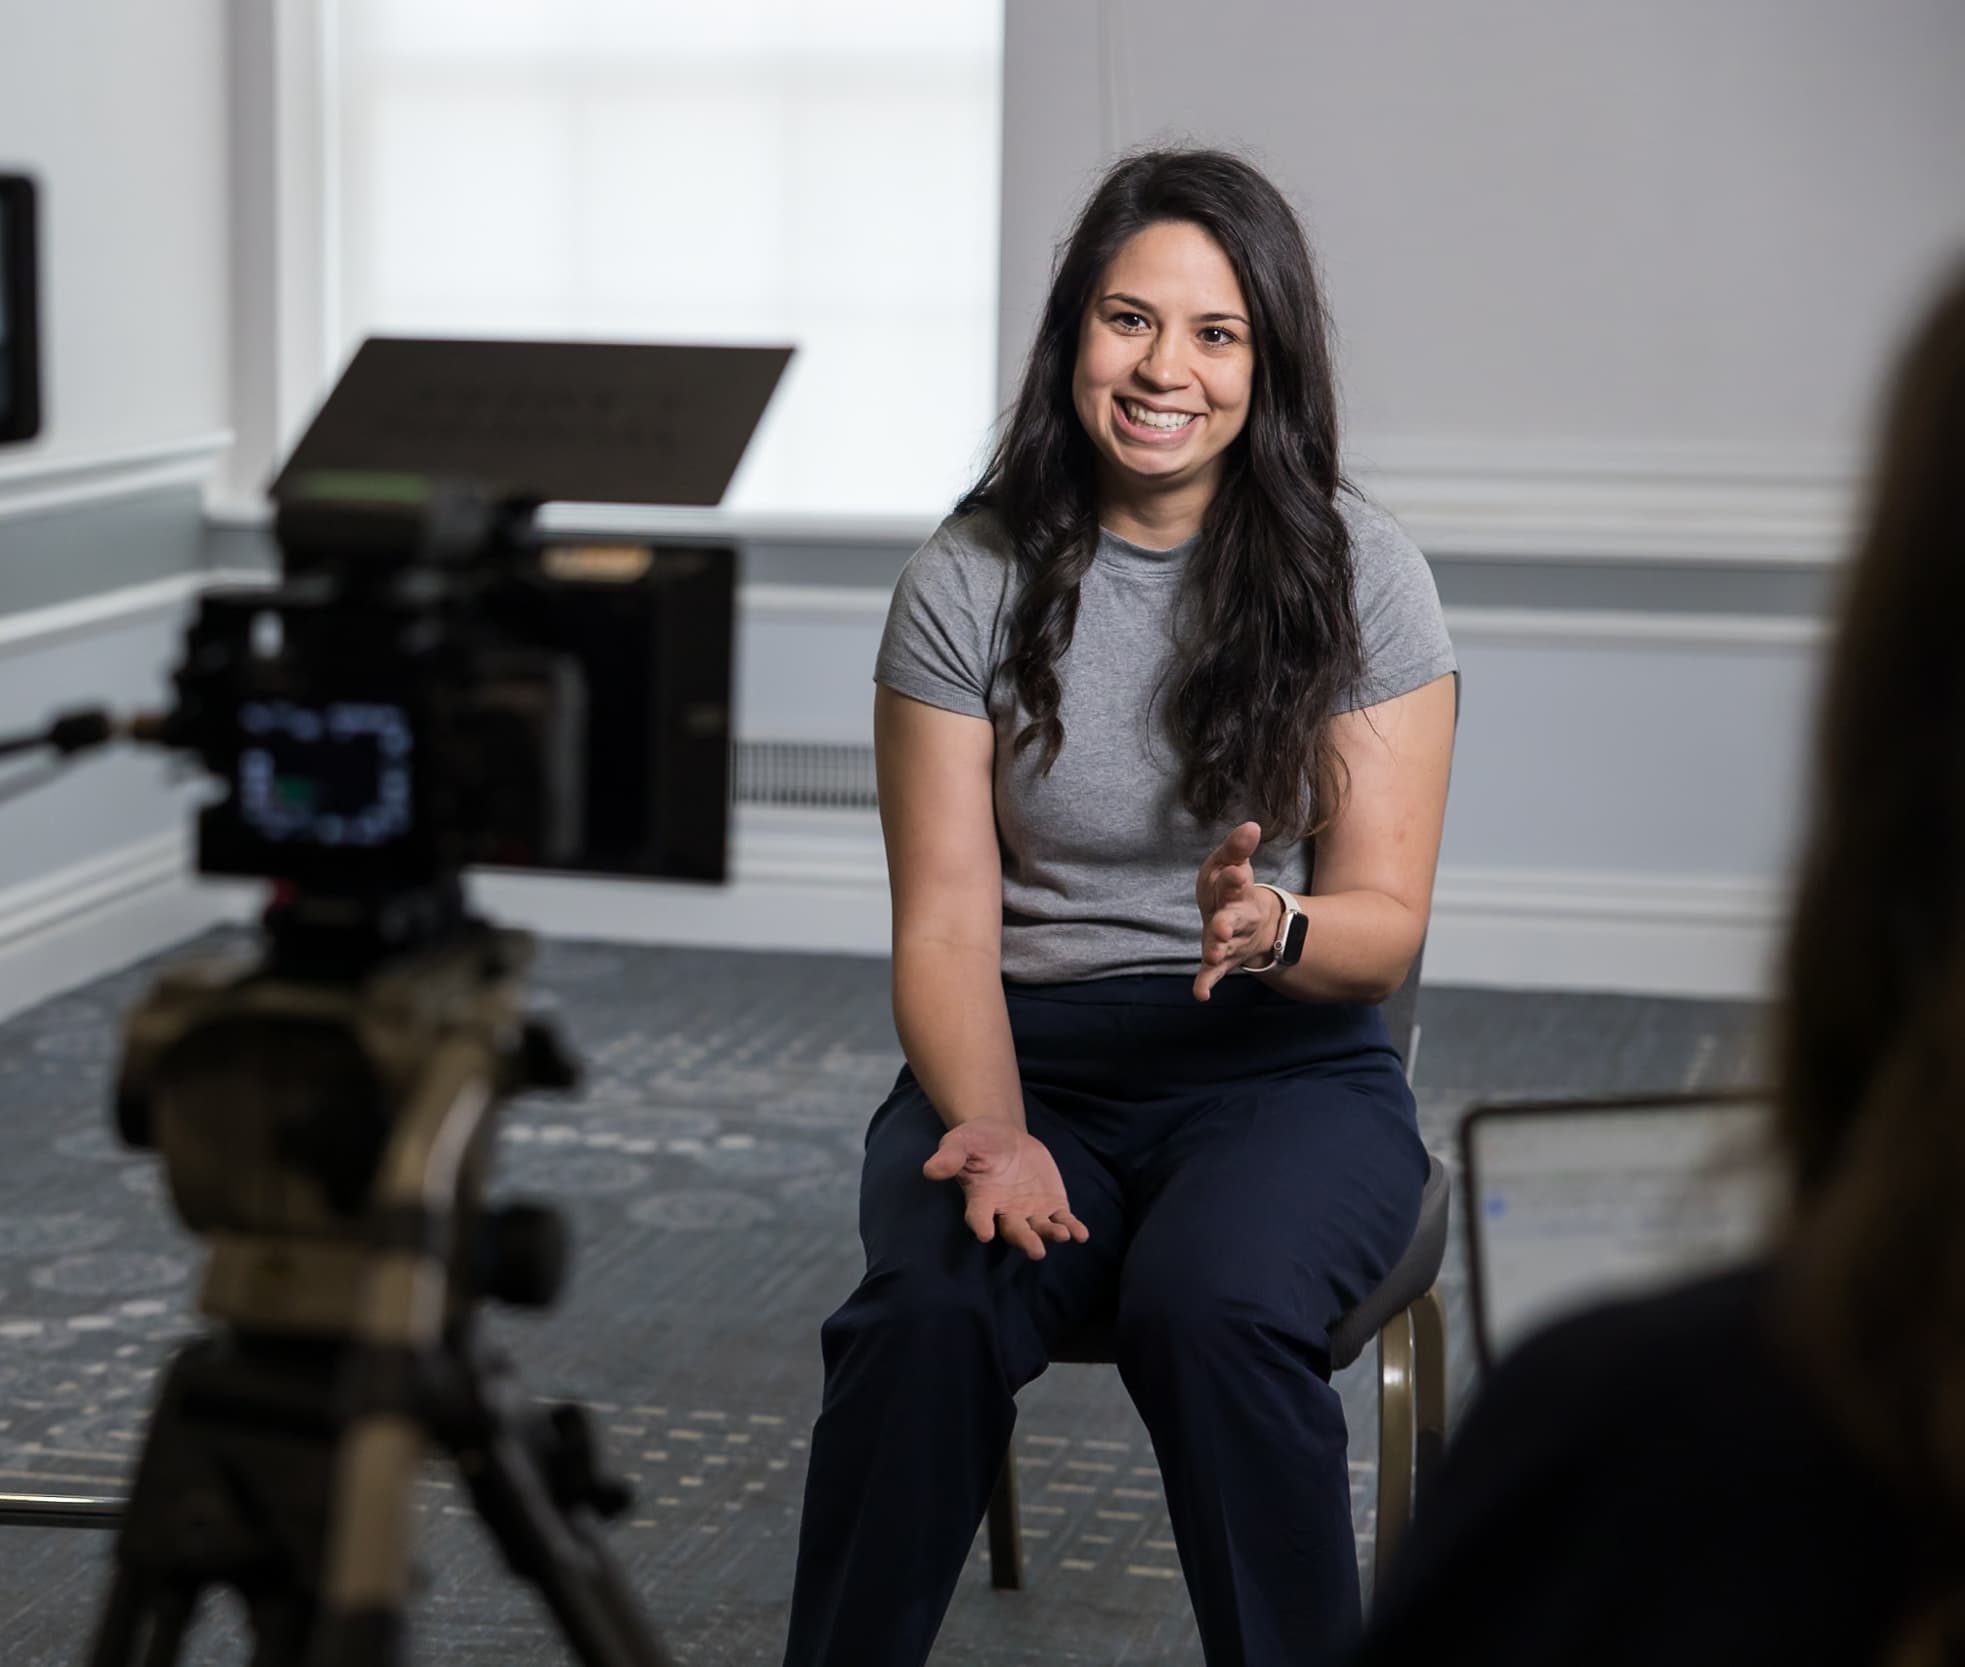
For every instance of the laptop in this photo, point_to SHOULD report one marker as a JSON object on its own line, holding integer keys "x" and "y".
{"x": 1575, "y": 1202}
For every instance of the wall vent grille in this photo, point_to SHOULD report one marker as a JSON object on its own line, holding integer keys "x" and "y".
{"x": 814, "y": 774}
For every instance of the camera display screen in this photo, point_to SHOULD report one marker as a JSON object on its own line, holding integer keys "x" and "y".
{"x": 340, "y": 774}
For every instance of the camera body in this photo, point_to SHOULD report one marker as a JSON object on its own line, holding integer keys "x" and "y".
{"x": 432, "y": 685}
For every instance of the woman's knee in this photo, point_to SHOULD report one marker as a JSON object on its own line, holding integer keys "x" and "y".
{"x": 920, "y": 1308}
{"x": 1219, "y": 1325}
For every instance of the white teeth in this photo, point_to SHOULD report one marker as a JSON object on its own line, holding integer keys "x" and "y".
{"x": 1145, "y": 418}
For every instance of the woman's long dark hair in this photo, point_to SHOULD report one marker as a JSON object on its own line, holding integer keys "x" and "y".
{"x": 1870, "y": 1055}
{"x": 1271, "y": 637}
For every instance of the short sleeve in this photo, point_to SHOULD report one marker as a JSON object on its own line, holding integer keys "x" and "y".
{"x": 1399, "y": 615}
{"x": 939, "y": 642}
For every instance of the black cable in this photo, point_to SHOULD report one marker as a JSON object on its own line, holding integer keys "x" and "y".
{"x": 75, "y": 732}
{"x": 69, "y": 734}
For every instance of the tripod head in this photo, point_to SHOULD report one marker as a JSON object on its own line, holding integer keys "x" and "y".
{"x": 275, "y": 1089}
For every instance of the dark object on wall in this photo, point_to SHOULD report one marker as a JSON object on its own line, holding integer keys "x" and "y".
{"x": 20, "y": 318}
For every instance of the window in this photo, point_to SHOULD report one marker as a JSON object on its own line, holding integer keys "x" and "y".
{"x": 818, "y": 172}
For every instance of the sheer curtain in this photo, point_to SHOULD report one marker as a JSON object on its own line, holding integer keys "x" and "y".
{"x": 817, "y": 172}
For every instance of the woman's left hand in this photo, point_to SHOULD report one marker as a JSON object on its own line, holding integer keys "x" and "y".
{"x": 1239, "y": 919}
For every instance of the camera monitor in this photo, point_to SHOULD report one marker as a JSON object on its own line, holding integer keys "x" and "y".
{"x": 20, "y": 353}
{"x": 438, "y": 684}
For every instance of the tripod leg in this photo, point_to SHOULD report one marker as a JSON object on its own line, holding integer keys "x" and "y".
{"x": 366, "y": 1574}
{"x": 121, "y": 1617}
{"x": 147, "y": 1616}
{"x": 561, "y": 1555}
{"x": 282, "y": 1627}
{"x": 170, "y": 1620}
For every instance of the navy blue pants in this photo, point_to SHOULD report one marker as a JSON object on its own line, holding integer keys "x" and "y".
{"x": 1249, "y": 1168}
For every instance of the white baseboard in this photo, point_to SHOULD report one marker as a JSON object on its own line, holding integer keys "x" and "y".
{"x": 1632, "y": 933}
{"x": 97, "y": 916}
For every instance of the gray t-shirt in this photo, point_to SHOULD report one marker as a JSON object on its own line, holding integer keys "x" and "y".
{"x": 1100, "y": 857}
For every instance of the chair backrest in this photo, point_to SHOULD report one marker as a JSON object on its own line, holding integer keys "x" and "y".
{"x": 1401, "y": 1007}
{"x": 1401, "y": 1010}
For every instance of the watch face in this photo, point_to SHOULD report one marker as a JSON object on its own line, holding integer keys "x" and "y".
{"x": 1293, "y": 936}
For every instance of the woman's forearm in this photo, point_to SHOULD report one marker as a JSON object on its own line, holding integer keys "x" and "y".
{"x": 1357, "y": 948}
{"x": 955, "y": 1029}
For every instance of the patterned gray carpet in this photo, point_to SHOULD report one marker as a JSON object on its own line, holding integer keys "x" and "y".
{"x": 709, "y": 1170}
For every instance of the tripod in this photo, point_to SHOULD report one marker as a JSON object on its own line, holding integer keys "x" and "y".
{"x": 325, "y": 1120}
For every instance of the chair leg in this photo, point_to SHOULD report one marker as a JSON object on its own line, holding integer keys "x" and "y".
{"x": 1006, "y": 1528}
{"x": 1395, "y": 1438}
{"x": 1429, "y": 1387}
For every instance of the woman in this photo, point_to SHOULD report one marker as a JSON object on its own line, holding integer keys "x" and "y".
{"x": 1154, "y": 651}
{"x": 1770, "y": 1466}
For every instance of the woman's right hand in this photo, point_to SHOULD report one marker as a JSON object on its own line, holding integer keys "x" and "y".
{"x": 1011, "y": 1182}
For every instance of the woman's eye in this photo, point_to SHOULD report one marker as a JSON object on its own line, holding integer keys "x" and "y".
{"x": 1215, "y": 336}
{"x": 1129, "y": 321}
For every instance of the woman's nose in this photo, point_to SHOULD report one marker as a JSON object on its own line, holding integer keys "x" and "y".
{"x": 1163, "y": 365}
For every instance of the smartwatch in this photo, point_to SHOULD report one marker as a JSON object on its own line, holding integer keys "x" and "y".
{"x": 1288, "y": 948}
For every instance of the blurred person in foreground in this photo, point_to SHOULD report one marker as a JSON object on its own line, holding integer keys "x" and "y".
{"x": 1770, "y": 1465}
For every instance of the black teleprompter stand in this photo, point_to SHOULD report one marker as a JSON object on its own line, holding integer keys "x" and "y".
{"x": 325, "y": 1117}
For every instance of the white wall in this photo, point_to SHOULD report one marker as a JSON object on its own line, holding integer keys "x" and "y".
{"x": 1612, "y": 284}
{"x": 1591, "y": 234}
{"x": 118, "y": 107}
{"x": 1614, "y": 287}
{"x": 93, "y": 864}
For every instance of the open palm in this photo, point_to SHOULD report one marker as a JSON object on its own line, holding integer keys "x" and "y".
{"x": 1010, "y": 1182}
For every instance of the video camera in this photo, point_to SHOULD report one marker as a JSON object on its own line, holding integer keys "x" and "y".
{"x": 434, "y": 686}
{"x": 435, "y": 683}
{"x": 431, "y": 682}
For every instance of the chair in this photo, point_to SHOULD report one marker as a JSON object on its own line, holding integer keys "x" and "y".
{"x": 1405, "y": 1314}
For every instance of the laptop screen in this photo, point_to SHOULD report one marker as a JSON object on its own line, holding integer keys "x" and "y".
{"x": 1576, "y": 1202}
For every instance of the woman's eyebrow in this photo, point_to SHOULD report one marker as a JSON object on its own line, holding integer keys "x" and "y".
{"x": 1147, "y": 307}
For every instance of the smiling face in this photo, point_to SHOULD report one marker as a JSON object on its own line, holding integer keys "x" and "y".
{"x": 1163, "y": 378}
